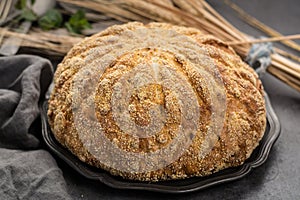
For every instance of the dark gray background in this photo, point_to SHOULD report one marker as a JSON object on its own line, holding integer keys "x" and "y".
{"x": 278, "y": 178}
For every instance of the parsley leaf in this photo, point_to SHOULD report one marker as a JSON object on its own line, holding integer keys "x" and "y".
{"x": 77, "y": 22}
{"x": 21, "y": 4}
{"x": 52, "y": 19}
{"x": 26, "y": 12}
{"x": 28, "y": 15}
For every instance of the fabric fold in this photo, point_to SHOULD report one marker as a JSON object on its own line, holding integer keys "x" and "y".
{"x": 20, "y": 83}
{"x": 26, "y": 172}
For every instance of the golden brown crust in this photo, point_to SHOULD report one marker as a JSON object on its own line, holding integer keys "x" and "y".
{"x": 244, "y": 117}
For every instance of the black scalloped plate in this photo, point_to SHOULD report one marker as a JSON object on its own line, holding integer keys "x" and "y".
{"x": 258, "y": 157}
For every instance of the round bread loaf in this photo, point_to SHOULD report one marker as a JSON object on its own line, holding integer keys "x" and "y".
{"x": 156, "y": 102}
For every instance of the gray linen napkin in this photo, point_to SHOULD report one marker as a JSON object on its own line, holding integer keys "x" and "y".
{"x": 25, "y": 171}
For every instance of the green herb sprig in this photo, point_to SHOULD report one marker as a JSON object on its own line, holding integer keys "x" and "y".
{"x": 26, "y": 12}
{"x": 53, "y": 19}
{"x": 77, "y": 22}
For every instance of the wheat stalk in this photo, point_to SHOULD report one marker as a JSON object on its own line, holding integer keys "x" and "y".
{"x": 193, "y": 13}
{"x": 259, "y": 25}
{"x": 60, "y": 44}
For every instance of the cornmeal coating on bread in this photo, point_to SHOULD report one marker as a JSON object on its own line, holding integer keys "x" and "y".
{"x": 162, "y": 68}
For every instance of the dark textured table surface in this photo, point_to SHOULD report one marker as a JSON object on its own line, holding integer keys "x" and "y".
{"x": 279, "y": 177}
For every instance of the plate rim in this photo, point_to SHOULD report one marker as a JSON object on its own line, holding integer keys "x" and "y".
{"x": 111, "y": 181}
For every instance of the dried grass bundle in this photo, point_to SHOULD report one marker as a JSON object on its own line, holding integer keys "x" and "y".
{"x": 193, "y": 13}
{"x": 46, "y": 42}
